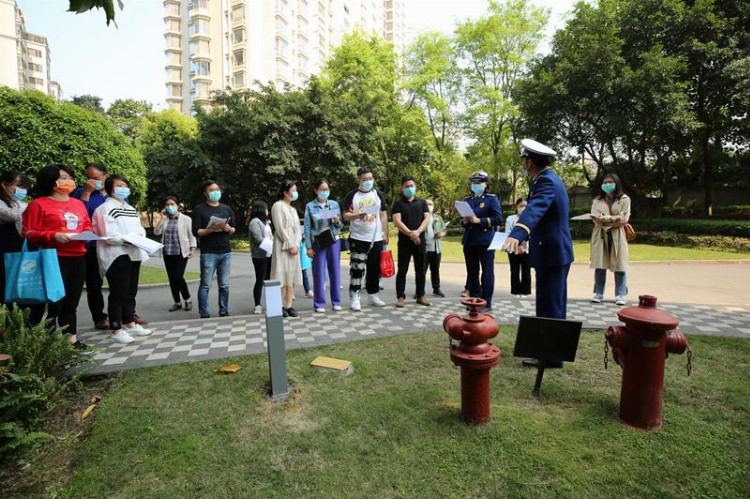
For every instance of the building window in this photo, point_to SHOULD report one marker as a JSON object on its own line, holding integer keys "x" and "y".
{"x": 303, "y": 45}
{"x": 173, "y": 10}
{"x": 34, "y": 53}
{"x": 173, "y": 25}
{"x": 34, "y": 67}
{"x": 238, "y": 36}
{"x": 281, "y": 84}
{"x": 199, "y": 26}
{"x": 239, "y": 57}
{"x": 200, "y": 68}
{"x": 174, "y": 90}
{"x": 173, "y": 75}
{"x": 283, "y": 7}
{"x": 282, "y": 47}
{"x": 282, "y": 27}
{"x": 198, "y": 5}
{"x": 173, "y": 58}
{"x": 304, "y": 63}
{"x": 173, "y": 41}
{"x": 238, "y": 13}
{"x": 36, "y": 81}
{"x": 198, "y": 48}
{"x": 238, "y": 80}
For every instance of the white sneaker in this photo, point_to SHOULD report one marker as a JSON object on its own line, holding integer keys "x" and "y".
{"x": 337, "y": 308}
{"x": 320, "y": 310}
{"x": 375, "y": 301}
{"x": 355, "y": 302}
{"x": 257, "y": 310}
{"x": 122, "y": 336}
{"x": 620, "y": 300}
{"x": 309, "y": 294}
{"x": 597, "y": 298}
{"x": 137, "y": 330}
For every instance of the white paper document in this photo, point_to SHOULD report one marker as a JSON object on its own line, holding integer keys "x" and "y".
{"x": 273, "y": 300}
{"x": 497, "y": 240}
{"x": 217, "y": 221}
{"x": 371, "y": 210}
{"x": 328, "y": 214}
{"x": 87, "y": 235}
{"x": 267, "y": 246}
{"x": 464, "y": 209}
{"x": 142, "y": 242}
{"x": 585, "y": 216}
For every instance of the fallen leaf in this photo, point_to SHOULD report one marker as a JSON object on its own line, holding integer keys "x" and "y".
{"x": 95, "y": 399}
{"x": 231, "y": 368}
{"x": 87, "y": 412}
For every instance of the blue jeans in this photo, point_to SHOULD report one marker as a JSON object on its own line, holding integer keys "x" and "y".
{"x": 212, "y": 263}
{"x": 600, "y": 279}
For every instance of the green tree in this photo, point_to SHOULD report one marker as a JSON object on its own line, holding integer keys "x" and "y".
{"x": 130, "y": 116}
{"x": 90, "y": 102}
{"x": 36, "y": 130}
{"x": 81, "y": 6}
{"x": 496, "y": 49}
{"x": 175, "y": 163}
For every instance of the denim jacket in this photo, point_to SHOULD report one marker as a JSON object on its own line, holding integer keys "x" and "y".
{"x": 314, "y": 223}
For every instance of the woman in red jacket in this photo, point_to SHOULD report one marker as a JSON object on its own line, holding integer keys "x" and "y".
{"x": 49, "y": 221}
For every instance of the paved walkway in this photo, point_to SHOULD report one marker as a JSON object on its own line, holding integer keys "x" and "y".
{"x": 708, "y": 297}
{"x": 190, "y": 340}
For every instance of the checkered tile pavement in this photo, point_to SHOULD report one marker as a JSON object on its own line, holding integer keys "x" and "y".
{"x": 190, "y": 340}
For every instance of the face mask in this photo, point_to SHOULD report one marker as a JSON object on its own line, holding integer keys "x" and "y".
{"x": 410, "y": 191}
{"x": 99, "y": 185}
{"x": 65, "y": 186}
{"x": 324, "y": 194}
{"x": 122, "y": 193}
{"x": 367, "y": 185}
{"x": 478, "y": 188}
{"x": 20, "y": 194}
{"x": 295, "y": 195}
{"x": 520, "y": 209}
{"x": 609, "y": 188}
{"x": 214, "y": 196}
{"x": 171, "y": 209}
{"x": 430, "y": 208}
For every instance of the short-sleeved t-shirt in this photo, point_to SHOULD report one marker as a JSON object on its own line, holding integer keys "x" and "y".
{"x": 412, "y": 214}
{"x": 364, "y": 230}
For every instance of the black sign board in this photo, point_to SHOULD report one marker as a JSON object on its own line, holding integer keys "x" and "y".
{"x": 546, "y": 340}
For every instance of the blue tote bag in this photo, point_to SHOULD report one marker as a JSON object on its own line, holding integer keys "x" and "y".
{"x": 305, "y": 261}
{"x": 33, "y": 277}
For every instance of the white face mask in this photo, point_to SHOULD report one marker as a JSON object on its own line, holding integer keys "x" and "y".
{"x": 520, "y": 209}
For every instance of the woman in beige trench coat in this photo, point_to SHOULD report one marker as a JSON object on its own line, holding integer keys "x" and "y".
{"x": 610, "y": 212}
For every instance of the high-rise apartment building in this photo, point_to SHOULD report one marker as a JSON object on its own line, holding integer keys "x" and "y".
{"x": 232, "y": 44}
{"x": 24, "y": 57}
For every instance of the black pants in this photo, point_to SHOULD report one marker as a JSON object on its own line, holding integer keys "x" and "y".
{"x": 262, "y": 268}
{"x": 407, "y": 250}
{"x": 520, "y": 274}
{"x": 63, "y": 313}
{"x": 175, "y": 266}
{"x": 432, "y": 263}
{"x": 94, "y": 281}
{"x": 122, "y": 276}
{"x": 361, "y": 262}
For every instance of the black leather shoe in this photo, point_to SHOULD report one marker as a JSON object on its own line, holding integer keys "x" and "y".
{"x": 291, "y": 312}
{"x": 188, "y": 306}
{"x": 227, "y": 314}
{"x": 285, "y": 312}
{"x": 438, "y": 293}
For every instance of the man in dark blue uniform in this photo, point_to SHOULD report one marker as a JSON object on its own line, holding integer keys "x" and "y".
{"x": 544, "y": 224}
{"x": 478, "y": 233}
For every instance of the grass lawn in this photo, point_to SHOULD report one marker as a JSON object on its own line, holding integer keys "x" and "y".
{"x": 157, "y": 275}
{"x": 392, "y": 429}
{"x": 453, "y": 252}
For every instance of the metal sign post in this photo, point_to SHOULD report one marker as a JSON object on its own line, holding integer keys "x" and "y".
{"x": 275, "y": 340}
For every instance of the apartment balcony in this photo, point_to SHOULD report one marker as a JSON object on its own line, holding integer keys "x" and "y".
{"x": 173, "y": 65}
{"x": 199, "y": 14}
{"x": 200, "y": 36}
{"x": 201, "y": 78}
{"x": 201, "y": 56}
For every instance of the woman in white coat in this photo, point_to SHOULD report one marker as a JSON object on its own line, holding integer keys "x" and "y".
{"x": 175, "y": 229}
{"x": 285, "y": 263}
{"x": 120, "y": 261}
{"x": 610, "y": 212}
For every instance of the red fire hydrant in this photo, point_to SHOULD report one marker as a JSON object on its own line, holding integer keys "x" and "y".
{"x": 640, "y": 347}
{"x": 475, "y": 356}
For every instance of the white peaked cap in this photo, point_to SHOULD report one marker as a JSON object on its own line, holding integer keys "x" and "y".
{"x": 529, "y": 145}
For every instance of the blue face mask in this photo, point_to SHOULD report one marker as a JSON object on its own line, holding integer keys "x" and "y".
{"x": 99, "y": 185}
{"x": 324, "y": 194}
{"x": 214, "y": 196}
{"x": 20, "y": 194}
{"x": 367, "y": 185}
{"x": 122, "y": 193}
{"x": 295, "y": 195}
{"x": 477, "y": 188}
{"x": 609, "y": 188}
{"x": 410, "y": 191}
{"x": 171, "y": 209}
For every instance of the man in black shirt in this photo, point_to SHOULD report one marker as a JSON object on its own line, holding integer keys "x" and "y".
{"x": 216, "y": 251}
{"x": 411, "y": 216}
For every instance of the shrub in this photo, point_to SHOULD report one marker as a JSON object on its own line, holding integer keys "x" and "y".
{"x": 695, "y": 226}
{"x": 34, "y": 379}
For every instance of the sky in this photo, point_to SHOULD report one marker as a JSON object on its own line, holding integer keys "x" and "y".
{"x": 127, "y": 61}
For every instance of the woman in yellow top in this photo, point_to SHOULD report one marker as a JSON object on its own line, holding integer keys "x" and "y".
{"x": 610, "y": 212}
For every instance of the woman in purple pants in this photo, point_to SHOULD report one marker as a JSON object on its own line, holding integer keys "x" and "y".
{"x": 322, "y": 226}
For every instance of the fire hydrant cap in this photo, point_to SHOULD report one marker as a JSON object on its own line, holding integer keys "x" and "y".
{"x": 647, "y": 314}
